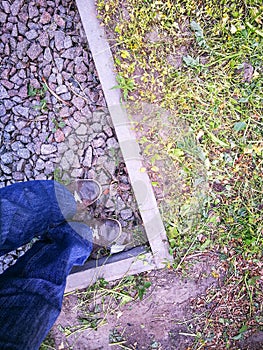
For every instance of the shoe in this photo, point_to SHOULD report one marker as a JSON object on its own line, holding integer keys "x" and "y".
{"x": 85, "y": 192}
{"x": 105, "y": 233}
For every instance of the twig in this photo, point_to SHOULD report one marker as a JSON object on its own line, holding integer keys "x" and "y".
{"x": 54, "y": 94}
{"x": 75, "y": 93}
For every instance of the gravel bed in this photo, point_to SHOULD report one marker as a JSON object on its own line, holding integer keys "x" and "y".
{"x": 53, "y": 116}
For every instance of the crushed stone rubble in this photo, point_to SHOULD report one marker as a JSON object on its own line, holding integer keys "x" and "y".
{"x": 53, "y": 117}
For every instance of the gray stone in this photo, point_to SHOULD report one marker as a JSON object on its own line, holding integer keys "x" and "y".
{"x": 67, "y": 42}
{"x": 18, "y": 176}
{"x": 81, "y": 130}
{"x": 6, "y": 6}
{"x": 47, "y": 70}
{"x": 47, "y": 55}
{"x": 76, "y": 163}
{"x": 110, "y": 204}
{"x": 79, "y": 117}
{"x": 37, "y": 147}
{"x": 72, "y": 143}
{"x": 8, "y": 84}
{"x": 64, "y": 164}
{"x": 34, "y": 51}
{"x": 21, "y": 28}
{"x": 78, "y": 102}
{"x": 23, "y": 93}
{"x": 13, "y": 43}
{"x": 41, "y": 177}
{"x": 120, "y": 205}
{"x": 61, "y": 89}
{"x": 62, "y": 147}
{"x": 108, "y": 131}
{"x": 66, "y": 96}
{"x": 59, "y": 79}
{"x": 15, "y": 7}
{"x": 24, "y": 139}
{"x": 7, "y": 158}
{"x": 16, "y": 79}
{"x": 110, "y": 165}
{"x": 30, "y": 147}
{"x": 52, "y": 78}
{"x": 112, "y": 143}
{"x": 24, "y": 111}
{"x": 59, "y": 63}
{"x": 2, "y": 110}
{"x": 14, "y": 31}
{"x": 81, "y": 68}
{"x": 10, "y": 127}
{"x": 43, "y": 39}
{"x": 45, "y": 18}
{"x": 22, "y": 73}
{"x": 32, "y": 11}
{"x": 77, "y": 173}
{"x": 26, "y": 131}
{"x": 20, "y": 165}
{"x": 64, "y": 112}
{"x": 96, "y": 127}
{"x": 23, "y": 153}
{"x": 7, "y": 50}
{"x": 20, "y": 124}
{"x": 6, "y": 169}
{"x": 35, "y": 83}
{"x": 49, "y": 168}
{"x": 69, "y": 155}
{"x": 59, "y": 136}
{"x": 28, "y": 171}
{"x": 40, "y": 164}
{"x": 81, "y": 78}
{"x": 83, "y": 138}
{"x": 103, "y": 178}
{"x": 17, "y": 99}
{"x": 100, "y": 152}
{"x": 59, "y": 20}
{"x": 16, "y": 145}
{"x": 71, "y": 53}
{"x": 97, "y": 143}
{"x": 48, "y": 149}
{"x": 59, "y": 40}
{"x": 3, "y": 92}
{"x": 87, "y": 161}
{"x": 31, "y": 34}
{"x": 8, "y": 104}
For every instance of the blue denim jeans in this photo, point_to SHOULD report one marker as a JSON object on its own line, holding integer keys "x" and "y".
{"x": 31, "y": 291}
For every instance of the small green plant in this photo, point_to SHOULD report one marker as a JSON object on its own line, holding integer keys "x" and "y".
{"x": 125, "y": 84}
{"x": 40, "y": 94}
{"x": 32, "y": 92}
{"x": 42, "y": 105}
{"x": 141, "y": 285}
{"x": 58, "y": 124}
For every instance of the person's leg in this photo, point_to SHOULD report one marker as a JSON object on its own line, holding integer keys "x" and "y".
{"x": 31, "y": 291}
{"x": 29, "y": 209}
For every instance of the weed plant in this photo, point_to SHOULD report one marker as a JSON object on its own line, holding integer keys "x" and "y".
{"x": 202, "y": 60}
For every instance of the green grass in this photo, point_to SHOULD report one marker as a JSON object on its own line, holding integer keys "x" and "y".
{"x": 202, "y": 60}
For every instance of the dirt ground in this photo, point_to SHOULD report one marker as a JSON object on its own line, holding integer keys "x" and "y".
{"x": 168, "y": 317}
{"x": 156, "y": 322}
